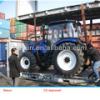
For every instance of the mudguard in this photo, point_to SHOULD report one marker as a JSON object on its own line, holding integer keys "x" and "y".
{"x": 40, "y": 46}
{"x": 71, "y": 40}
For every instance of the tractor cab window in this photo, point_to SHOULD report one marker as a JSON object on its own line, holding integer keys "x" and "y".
{"x": 73, "y": 29}
{"x": 66, "y": 29}
{"x": 78, "y": 29}
{"x": 65, "y": 33}
{"x": 55, "y": 32}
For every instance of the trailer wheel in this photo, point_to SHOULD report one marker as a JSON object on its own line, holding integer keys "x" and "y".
{"x": 27, "y": 60}
{"x": 67, "y": 62}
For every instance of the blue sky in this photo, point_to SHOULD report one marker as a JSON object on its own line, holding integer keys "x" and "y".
{"x": 9, "y": 6}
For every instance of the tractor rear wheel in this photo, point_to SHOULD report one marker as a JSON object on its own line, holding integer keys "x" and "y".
{"x": 67, "y": 62}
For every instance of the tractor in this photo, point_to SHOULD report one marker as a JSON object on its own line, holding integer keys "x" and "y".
{"x": 59, "y": 45}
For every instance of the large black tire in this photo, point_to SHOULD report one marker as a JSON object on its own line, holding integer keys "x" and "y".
{"x": 27, "y": 61}
{"x": 67, "y": 62}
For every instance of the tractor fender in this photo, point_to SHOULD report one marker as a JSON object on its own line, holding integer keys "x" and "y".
{"x": 69, "y": 40}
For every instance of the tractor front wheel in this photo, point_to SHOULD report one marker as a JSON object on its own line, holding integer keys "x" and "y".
{"x": 27, "y": 60}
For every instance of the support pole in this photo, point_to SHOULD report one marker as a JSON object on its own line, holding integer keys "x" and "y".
{"x": 90, "y": 34}
{"x": 35, "y": 28}
{"x": 8, "y": 57}
{"x": 84, "y": 21}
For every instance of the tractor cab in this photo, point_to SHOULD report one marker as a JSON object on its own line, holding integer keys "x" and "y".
{"x": 57, "y": 30}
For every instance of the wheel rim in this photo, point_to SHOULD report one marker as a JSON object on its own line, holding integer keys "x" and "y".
{"x": 25, "y": 63}
{"x": 66, "y": 60}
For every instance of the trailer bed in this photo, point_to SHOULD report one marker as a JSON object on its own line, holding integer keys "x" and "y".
{"x": 55, "y": 78}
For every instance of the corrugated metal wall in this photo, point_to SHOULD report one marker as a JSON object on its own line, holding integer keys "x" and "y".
{"x": 4, "y": 28}
{"x": 3, "y": 52}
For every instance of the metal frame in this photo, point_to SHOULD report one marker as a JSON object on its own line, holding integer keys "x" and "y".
{"x": 54, "y": 78}
{"x": 71, "y": 12}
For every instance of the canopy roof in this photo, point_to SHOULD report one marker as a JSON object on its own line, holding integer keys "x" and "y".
{"x": 92, "y": 11}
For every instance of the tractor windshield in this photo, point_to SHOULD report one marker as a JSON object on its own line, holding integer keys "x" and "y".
{"x": 64, "y": 29}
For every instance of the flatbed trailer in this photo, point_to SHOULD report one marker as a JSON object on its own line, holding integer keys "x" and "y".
{"x": 56, "y": 78}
